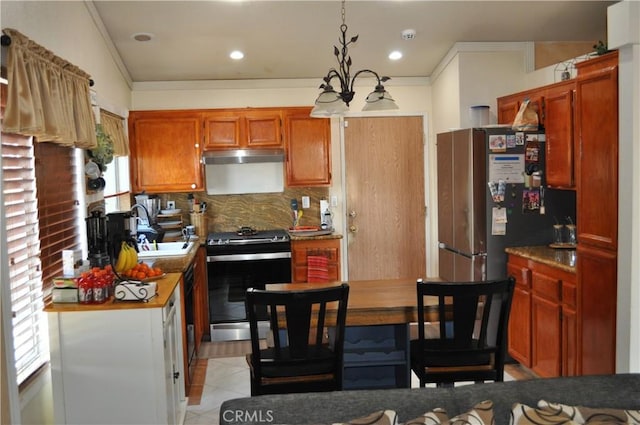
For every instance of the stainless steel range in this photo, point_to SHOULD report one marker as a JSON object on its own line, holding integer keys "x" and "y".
{"x": 237, "y": 261}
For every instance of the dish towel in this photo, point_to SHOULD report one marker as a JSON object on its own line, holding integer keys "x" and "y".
{"x": 317, "y": 268}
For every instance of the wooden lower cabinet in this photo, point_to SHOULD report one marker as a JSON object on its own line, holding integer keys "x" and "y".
{"x": 553, "y": 318}
{"x": 519, "y": 333}
{"x": 597, "y": 274}
{"x": 301, "y": 249}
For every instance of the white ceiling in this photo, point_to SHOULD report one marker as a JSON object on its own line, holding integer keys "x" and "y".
{"x": 295, "y": 39}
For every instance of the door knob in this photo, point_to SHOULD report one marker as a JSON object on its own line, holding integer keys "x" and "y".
{"x": 353, "y": 229}
{"x": 353, "y": 214}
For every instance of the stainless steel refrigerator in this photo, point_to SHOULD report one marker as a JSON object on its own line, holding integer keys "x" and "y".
{"x": 478, "y": 220}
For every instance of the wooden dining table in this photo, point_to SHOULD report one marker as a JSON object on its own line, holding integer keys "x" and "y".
{"x": 374, "y": 302}
{"x": 377, "y": 334}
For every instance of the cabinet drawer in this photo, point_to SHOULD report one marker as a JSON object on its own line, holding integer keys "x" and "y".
{"x": 546, "y": 286}
{"x": 569, "y": 294}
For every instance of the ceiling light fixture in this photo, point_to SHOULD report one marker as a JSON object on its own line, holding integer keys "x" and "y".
{"x": 330, "y": 102}
{"x": 236, "y": 54}
{"x": 142, "y": 36}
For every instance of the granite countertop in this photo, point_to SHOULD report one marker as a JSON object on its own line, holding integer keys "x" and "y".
{"x": 564, "y": 259}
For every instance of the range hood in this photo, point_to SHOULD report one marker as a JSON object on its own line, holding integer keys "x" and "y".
{"x": 243, "y": 156}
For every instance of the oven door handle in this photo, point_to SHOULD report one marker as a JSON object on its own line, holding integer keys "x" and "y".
{"x": 248, "y": 257}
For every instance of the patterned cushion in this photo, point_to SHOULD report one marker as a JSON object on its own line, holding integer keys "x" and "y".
{"x": 588, "y": 415}
{"x": 480, "y": 414}
{"x": 554, "y": 413}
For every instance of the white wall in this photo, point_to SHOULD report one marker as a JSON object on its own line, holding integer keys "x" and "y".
{"x": 624, "y": 35}
{"x": 485, "y": 76}
{"x": 67, "y": 29}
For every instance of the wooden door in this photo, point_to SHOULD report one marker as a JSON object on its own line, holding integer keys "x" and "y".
{"x": 165, "y": 151}
{"x": 308, "y": 146}
{"x": 559, "y": 130}
{"x": 519, "y": 331}
{"x": 545, "y": 325}
{"x": 508, "y": 109}
{"x": 384, "y": 168}
{"x": 597, "y": 127}
{"x": 263, "y": 128}
{"x": 222, "y": 130}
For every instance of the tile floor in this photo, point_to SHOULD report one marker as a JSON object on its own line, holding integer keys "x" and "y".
{"x": 228, "y": 378}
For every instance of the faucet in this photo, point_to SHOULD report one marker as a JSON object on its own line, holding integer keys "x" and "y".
{"x": 145, "y": 221}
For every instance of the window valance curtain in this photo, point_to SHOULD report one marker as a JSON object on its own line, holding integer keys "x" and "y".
{"x": 48, "y": 97}
{"x": 113, "y": 125}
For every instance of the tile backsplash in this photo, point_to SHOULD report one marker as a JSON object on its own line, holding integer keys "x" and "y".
{"x": 262, "y": 210}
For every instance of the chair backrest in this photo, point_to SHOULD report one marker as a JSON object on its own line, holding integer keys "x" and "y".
{"x": 298, "y": 320}
{"x": 471, "y": 315}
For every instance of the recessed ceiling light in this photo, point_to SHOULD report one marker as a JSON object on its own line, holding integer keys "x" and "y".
{"x": 142, "y": 36}
{"x": 395, "y": 55}
{"x": 236, "y": 54}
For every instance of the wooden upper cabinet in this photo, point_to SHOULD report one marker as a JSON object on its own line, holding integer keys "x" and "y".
{"x": 242, "y": 129}
{"x": 308, "y": 148}
{"x": 597, "y": 138}
{"x": 508, "y": 106}
{"x": 165, "y": 151}
{"x": 558, "y": 111}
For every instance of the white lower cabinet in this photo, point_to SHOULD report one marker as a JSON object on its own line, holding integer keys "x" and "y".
{"x": 118, "y": 366}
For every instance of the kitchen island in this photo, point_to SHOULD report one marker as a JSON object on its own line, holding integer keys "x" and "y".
{"x": 119, "y": 362}
{"x": 195, "y": 299}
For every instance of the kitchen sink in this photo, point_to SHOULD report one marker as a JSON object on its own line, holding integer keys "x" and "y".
{"x": 166, "y": 249}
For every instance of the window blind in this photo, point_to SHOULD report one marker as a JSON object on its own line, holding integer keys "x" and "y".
{"x": 42, "y": 219}
{"x": 58, "y": 206}
{"x": 25, "y": 276}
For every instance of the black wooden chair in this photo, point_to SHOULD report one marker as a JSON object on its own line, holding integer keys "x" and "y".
{"x": 308, "y": 344}
{"x": 470, "y": 343}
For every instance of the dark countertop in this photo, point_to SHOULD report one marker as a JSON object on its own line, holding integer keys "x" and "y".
{"x": 564, "y": 259}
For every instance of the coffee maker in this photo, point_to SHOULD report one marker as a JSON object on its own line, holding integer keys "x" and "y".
{"x": 97, "y": 239}
{"x": 119, "y": 230}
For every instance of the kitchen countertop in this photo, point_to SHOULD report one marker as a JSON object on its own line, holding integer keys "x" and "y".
{"x": 315, "y": 238}
{"x": 165, "y": 287}
{"x": 176, "y": 264}
{"x": 564, "y": 259}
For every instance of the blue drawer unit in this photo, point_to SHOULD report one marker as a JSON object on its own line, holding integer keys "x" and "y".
{"x": 376, "y": 357}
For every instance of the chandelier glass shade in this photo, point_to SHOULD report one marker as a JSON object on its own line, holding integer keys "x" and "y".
{"x": 330, "y": 102}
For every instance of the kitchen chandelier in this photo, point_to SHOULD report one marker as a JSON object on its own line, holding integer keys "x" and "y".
{"x": 330, "y": 102}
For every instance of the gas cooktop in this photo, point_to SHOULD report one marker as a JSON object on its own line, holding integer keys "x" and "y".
{"x": 247, "y": 235}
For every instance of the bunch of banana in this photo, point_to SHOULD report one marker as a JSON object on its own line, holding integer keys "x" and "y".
{"x": 127, "y": 258}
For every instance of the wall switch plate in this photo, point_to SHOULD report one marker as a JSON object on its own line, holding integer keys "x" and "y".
{"x": 171, "y": 205}
{"x": 305, "y": 202}
{"x": 334, "y": 201}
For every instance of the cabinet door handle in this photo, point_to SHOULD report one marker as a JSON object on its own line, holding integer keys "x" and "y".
{"x": 176, "y": 375}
